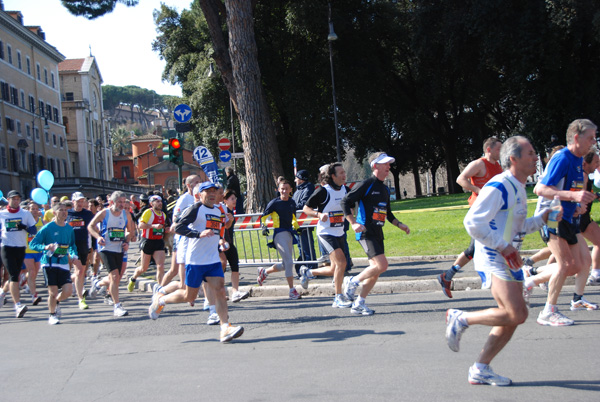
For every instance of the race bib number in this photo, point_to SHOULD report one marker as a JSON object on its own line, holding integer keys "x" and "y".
{"x": 336, "y": 219}
{"x": 214, "y": 222}
{"x": 11, "y": 225}
{"x": 77, "y": 223}
{"x": 576, "y": 185}
{"x": 158, "y": 232}
{"x": 61, "y": 250}
{"x": 116, "y": 234}
{"x": 379, "y": 215}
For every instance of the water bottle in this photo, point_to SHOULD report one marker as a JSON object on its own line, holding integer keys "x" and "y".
{"x": 49, "y": 253}
{"x": 554, "y": 211}
{"x": 224, "y": 246}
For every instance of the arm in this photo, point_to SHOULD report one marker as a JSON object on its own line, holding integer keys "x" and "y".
{"x": 395, "y": 221}
{"x": 313, "y": 203}
{"x": 37, "y": 243}
{"x": 72, "y": 248}
{"x": 93, "y": 227}
{"x": 582, "y": 196}
{"x": 475, "y": 168}
{"x": 188, "y": 217}
{"x": 477, "y": 221}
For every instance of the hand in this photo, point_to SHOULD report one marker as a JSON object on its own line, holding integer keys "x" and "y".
{"x": 207, "y": 233}
{"x": 404, "y": 227}
{"x": 265, "y": 230}
{"x": 21, "y": 226}
{"x": 323, "y": 217}
{"x": 101, "y": 241}
{"x": 125, "y": 246}
{"x": 512, "y": 257}
{"x": 358, "y": 228}
{"x": 583, "y": 197}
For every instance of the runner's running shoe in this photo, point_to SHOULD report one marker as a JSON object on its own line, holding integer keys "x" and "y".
{"x": 445, "y": 284}
{"x": 213, "y": 319}
{"x": 239, "y": 295}
{"x": 155, "y": 308}
{"x": 304, "y": 278}
{"x": 361, "y": 309}
{"x": 230, "y": 333}
{"x": 341, "y": 301}
{"x": 58, "y": 311}
{"x": 36, "y": 299}
{"x": 583, "y": 304}
{"x": 53, "y": 320}
{"x": 486, "y": 376}
{"x": 554, "y": 319}
{"x": 294, "y": 295}
{"x": 262, "y": 275}
{"x": 83, "y": 305}
{"x": 348, "y": 288}
{"x": 119, "y": 311}
{"x": 130, "y": 285}
{"x": 454, "y": 329}
{"x": 20, "y": 311}
{"x": 593, "y": 280}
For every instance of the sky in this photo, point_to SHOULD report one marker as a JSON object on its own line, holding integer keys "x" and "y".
{"x": 121, "y": 41}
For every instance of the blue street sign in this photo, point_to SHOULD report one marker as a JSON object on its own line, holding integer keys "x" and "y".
{"x": 182, "y": 113}
{"x": 225, "y": 156}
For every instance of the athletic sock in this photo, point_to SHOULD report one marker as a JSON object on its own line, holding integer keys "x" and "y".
{"x": 576, "y": 297}
{"x": 548, "y": 308}
{"x": 450, "y": 273}
{"x": 528, "y": 282}
{"x": 480, "y": 366}
{"x": 360, "y": 300}
{"x": 132, "y": 279}
{"x": 354, "y": 280}
{"x": 212, "y": 309}
{"x": 224, "y": 326}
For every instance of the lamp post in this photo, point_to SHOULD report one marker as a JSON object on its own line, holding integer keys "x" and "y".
{"x": 37, "y": 112}
{"x": 330, "y": 38}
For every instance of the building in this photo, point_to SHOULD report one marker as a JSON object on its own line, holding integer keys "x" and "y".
{"x": 32, "y": 134}
{"x": 87, "y": 130}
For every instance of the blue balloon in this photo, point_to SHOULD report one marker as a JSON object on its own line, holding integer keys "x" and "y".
{"x": 46, "y": 179}
{"x": 1, "y": 194}
{"x": 39, "y": 195}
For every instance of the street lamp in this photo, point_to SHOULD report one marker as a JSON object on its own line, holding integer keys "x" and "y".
{"x": 37, "y": 112}
{"x": 330, "y": 38}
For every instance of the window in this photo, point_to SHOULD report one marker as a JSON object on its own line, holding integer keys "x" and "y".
{"x": 49, "y": 112}
{"x": 41, "y": 163}
{"x": 28, "y": 62}
{"x": 14, "y": 96}
{"x": 37, "y": 68}
{"x": 37, "y": 134}
{"x": 19, "y": 132}
{"x": 62, "y": 142}
{"x": 14, "y": 160}
{"x": 65, "y": 167}
{"x": 52, "y": 79}
{"x": 4, "y": 87}
{"x": 53, "y": 139}
{"x": 56, "y": 115}
{"x": 9, "y": 51}
{"x": 31, "y": 162}
{"x": 31, "y": 104}
{"x": 47, "y": 137}
{"x": 23, "y": 99}
{"x": 10, "y": 124}
{"x": 46, "y": 76}
{"x": 3, "y": 160}
{"x": 2, "y": 57}
{"x": 69, "y": 96}
{"x": 22, "y": 160}
{"x": 57, "y": 168}
{"x": 28, "y": 130}
{"x": 42, "y": 107}
{"x": 19, "y": 62}
{"x": 125, "y": 172}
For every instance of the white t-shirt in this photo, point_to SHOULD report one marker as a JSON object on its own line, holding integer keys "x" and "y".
{"x": 11, "y": 235}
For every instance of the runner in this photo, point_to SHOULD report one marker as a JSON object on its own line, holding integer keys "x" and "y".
{"x": 116, "y": 230}
{"x": 201, "y": 224}
{"x": 32, "y": 258}
{"x": 473, "y": 178}
{"x": 282, "y": 211}
{"x": 503, "y": 201}
{"x": 57, "y": 242}
{"x": 79, "y": 218}
{"x": 231, "y": 252}
{"x": 16, "y": 223}
{"x": 373, "y": 198}
{"x": 564, "y": 179}
{"x": 154, "y": 225}
{"x": 325, "y": 205}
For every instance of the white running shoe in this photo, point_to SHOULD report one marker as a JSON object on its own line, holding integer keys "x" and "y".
{"x": 583, "y": 304}
{"x": 155, "y": 308}
{"x": 206, "y": 304}
{"x": 239, "y": 295}
{"x": 231, "y": 333}
{"x": 304, "y": 278}
{"x": 349, "y": 288}
{"x": 361, "y": 309}
{"x": 486, "y": 376}
{"x": 213, "y": 319}
{"x": 341, "y": 301}
{"x": 554, "y": 319}
{"x": 53, "y": 320}
{"x": 20, "y": 311}
{"x": 454, "y": 329}
{"x": 593, "y": 280}
{"x": 119, "y": 311}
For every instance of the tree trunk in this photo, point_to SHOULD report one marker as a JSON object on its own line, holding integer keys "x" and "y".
{"x": 262, "y": 160}
{"x": 417, "y": 178}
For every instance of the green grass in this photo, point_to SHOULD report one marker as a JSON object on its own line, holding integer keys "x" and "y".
{"x": 436, "y": 227}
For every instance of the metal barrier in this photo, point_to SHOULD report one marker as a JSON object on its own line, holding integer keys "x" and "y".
{"x": 252, "y": 245}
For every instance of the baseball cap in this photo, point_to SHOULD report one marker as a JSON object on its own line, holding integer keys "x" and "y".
{"x": 155, "y": 198}
{"x": 13, "y": 193}
{"x": 302, "y": 175}
{"x": 206, "y": 185}
{"x": 77, "y": 196}
{"x": 383, "y": 158}
{"x": 64, "y": 198}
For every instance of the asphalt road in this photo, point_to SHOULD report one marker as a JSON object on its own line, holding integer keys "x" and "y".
{"x": 291, "y": 350}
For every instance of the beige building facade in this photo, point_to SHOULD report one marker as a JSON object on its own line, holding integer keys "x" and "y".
{"x": 32, "y": 134}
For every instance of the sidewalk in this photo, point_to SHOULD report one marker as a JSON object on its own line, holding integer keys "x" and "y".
{"x": 405, "y": 274}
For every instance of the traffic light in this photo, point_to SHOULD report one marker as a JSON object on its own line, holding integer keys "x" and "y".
{"x": 175, "y": 151}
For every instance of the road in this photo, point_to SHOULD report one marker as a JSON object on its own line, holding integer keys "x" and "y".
{"x": 291, "y": 350}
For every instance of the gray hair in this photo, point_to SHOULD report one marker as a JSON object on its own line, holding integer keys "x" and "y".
{"x": 229, "y": 170}
{"x": 579, "y": 126}
{"x": 116, "y": 195}
{"x": 512, "y": 147}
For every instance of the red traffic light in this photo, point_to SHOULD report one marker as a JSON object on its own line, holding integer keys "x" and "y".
{"x": 174, "y": 143}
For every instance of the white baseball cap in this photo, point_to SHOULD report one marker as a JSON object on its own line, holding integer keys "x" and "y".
{"x": 77, "y": 196}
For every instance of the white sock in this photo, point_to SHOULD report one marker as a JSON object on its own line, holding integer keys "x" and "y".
{"x": 528, "y": 282}
{"x": 480, "y": 366}
{"x": 354, "y": 280}
{"x": 212, "y": 309}
{"x": 360, "y": 300}
{"x": 549, "y": 308}
{"x": 224, "y": 326}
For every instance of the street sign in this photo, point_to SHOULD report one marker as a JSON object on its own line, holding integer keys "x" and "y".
{"x": 224, "y": 144}
{"x": 237, "y": 155}
{"x": 225, "y": 156}
{"x": 202, "y": 155}
{"x": 182, "y": 113}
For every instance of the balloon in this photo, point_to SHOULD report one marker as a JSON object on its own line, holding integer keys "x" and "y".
{"x": 1, "y": 194}
{"x": 46, "y": 179}
{"x": 39, "y": 195}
